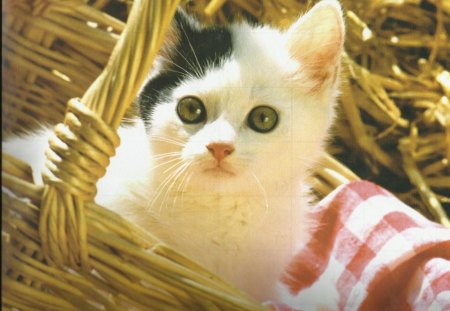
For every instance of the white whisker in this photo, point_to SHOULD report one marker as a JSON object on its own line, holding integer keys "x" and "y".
{"x": 193, "y": 51}
{"x": 178, "y": 172}
{"x": 182, "y": 186}
{"x": 197, "y": 69}
{"x": 184, "y": 71}
{"x": 168, "y": 140}
{"x": 166, "y": 155}
{"x": 162, "y": 185}
{"x": 165, "y": 163}
{"x": 185, "y": 185}
{"x": 263, "y": 190}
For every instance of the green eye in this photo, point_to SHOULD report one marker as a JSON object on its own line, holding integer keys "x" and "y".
{"x": 191, "y": 110}
{"x": 262, "y": 119}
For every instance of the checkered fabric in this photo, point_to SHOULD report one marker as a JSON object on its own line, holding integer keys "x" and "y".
{"x": 369, "y": 251}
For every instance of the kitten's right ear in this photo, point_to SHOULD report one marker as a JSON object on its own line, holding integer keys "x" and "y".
{"x": 184, "y": 20}
{"x": 181, "y": 24}
{"x": 316, "y": 40}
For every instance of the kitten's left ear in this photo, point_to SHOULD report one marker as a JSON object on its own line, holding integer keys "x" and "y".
{"x": 316, "y": 40}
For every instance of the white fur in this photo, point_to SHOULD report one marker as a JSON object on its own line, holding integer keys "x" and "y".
{"x": 244, "y": 224}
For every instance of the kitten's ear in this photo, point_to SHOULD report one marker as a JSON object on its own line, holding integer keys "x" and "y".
{"x": 316, "y": 40}
{"x": 182, "y": 24}
{"x": 183, "y": 20}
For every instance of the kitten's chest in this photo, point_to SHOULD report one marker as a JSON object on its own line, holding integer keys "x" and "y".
{"x": 210, "y": 222}
{"x": 246, "y": 241}
{"x": 220, "y": 227}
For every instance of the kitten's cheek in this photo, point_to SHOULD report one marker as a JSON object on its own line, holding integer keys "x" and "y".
{"x": 194, "y": 151}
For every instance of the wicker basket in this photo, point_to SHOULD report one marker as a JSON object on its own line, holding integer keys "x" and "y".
{"x": 63, "y": 252}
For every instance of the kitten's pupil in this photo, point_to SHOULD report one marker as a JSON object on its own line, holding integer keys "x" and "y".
{"x": 194, "y": 110}
{"x": 263, "y": 118}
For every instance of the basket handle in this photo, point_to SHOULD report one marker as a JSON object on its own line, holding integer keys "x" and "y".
{"x": 81, "y": 146}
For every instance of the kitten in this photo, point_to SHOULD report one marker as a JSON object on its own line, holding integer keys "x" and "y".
{"x": 232, "y": 120}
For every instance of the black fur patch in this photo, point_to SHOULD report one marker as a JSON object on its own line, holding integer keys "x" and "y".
{"x": 198, "y": 49}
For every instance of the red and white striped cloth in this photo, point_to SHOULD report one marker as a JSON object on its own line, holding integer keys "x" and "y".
{"x": 370, "y": 251}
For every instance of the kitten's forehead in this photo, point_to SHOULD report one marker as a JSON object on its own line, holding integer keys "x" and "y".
{"x": 259, "y": 62}
{"x": 262, "y": 49}
{"x": 228, "y": 75}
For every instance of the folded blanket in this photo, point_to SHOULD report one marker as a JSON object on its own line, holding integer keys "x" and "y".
{"x": 369, "y": 251}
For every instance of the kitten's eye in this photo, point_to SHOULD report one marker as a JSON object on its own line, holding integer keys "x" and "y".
{"x": 191, "y": 110}
{"x": 262, "y": 119}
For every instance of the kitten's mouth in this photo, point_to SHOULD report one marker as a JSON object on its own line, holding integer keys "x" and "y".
{"x": 219, "y": 171}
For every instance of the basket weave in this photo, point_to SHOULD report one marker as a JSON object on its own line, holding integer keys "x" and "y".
{"x": 63, "y": 252}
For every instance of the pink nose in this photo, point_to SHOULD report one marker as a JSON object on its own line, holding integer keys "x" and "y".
{"x": 220, "y": 150}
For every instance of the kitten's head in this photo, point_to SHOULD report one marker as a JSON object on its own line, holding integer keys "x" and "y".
{"x": 233, "y": 108}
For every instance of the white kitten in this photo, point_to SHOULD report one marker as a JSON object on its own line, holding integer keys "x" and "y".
{"x": 233, "y": 119}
